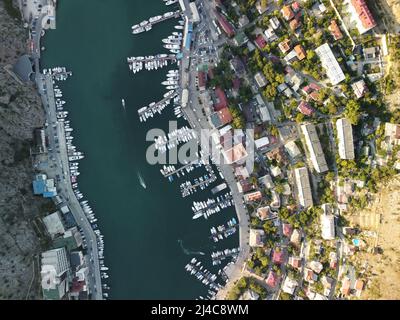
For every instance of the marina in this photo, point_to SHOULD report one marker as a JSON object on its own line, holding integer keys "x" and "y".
{"x": 121, "y": 172}
{"x": 208, "y": 207}
{"x": 174, "y": 138}
{"x": 147, "y": 25}
{"x": 222, "y": 231}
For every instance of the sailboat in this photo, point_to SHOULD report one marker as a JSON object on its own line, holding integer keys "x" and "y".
{"x": 141, "y": 180}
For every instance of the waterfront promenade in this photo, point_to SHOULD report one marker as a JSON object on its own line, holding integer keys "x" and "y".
{"x": 199, "y": 121}
{"x": 61, "y": 166}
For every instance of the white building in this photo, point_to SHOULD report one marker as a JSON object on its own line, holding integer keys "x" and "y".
{"x": 54, "y": 224}
{"x": 303, "y": 187}
{"x": 330, "y": 64}
{"x": 256, "y": 238}
{"x": 260, "y": 79}
{"x": 314, "y": 147}
{"x": 327, "y": 226}
{"x": 345, "y": 137}
{"x": 292, "y": 149}
{"x": 289, "y": 285}
{"x": 195, "y": 12}
{"x": 56, "y": 258}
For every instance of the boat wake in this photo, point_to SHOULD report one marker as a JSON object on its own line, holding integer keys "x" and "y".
{"x": 189, "y": 252}
{"x": 141, "y": 180}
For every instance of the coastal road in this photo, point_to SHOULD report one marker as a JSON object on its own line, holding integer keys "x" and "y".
{"x": 61, "y": 168}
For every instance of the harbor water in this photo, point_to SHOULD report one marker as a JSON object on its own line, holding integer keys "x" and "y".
{"x": 149, "y": 232}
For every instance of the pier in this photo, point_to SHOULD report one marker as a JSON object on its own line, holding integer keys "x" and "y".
{"x": 151, "y": 109}
{"x": 148, "y": 25}
{"x": 160, "y": 57}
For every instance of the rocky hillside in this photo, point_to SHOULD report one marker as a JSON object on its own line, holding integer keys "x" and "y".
{"x": 20, "y": 113}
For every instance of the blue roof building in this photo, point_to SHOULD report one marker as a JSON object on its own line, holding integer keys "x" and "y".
{"x": 43, "y": 186}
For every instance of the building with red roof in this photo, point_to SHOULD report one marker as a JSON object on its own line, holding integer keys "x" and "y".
{"x": 294, "y": 24}
{"x": 277, "y": 257}
{"x": 300, "y": 52}
{"x": 287, "y": 229}
{"x": 260, "y": 41}
{"x": 295, "y": 262}
{"x": 202, "y": 80}
{"x": 296, "y": 6}
{"x": 335, "y": 30}
{"x": 225, "y": 25}
{"x": 305, "y": 108}
{"x": 287, "y": 13}
{"x": 222, "y": 100}
{"x": 272, "y": 279}
{"x": 363, "y": 16}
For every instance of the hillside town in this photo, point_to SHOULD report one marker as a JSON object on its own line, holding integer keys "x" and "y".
{"x": 308, "y": 77}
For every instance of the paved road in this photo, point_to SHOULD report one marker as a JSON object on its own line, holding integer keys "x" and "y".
{"x": 61, "y": 168}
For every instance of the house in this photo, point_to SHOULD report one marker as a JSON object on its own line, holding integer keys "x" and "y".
{"x": 277, "y": 257}
{"x": 253, "y": 196}
{"x": 327, "y": 226}
{"x": 221, "y": 118}
{"x": 303, "y": 187}
{"x": 225, "y": 25}
{"x": 43, "y": 186}
{"x": 293, "y": 78}
{"x": 295, "y": 262}
{"x": 256, "y": 238}
{"x": 345, "y": 138}
{"x": 294, "y": 24}
{"x": 359, "y": 286}
{"x": 276, "y": 154}
{"x": 272, "y": 279}
{"x": 327, "y": 282}
{"x": 291, "y": 56}
{"x": 276, "y": 171}
{"x": 274, "y": 23}
{"x": 300, "y": 52}
{"x": 270, "y": 34}
{"x": 284, "y": 46}
{"x": 359, "y": 88}
{"x": 238, "y": 66}
{"x": 236, "y": 154}
{"x": 296, "y": 6}
{"x": 260, "y": 79}
{"x": 249, "y": 295}
{"x": 332, "y": 260}
{"x": 370, "y": 53}
{"x": 362, "y": 15}
{"x": 289, "y": 285}
{"x": 263, "y": 213}
{"x": 244, "y": 185}
{"x": 260, "y": 41}
{"x": 345, "y": 289}
{"x": 221, "y": 99}
{"x": 54, "y": 224}
{"x": 287, "y": 230}
{"x": 316, "y": 266}
{"x": 335, "y": 30}
{"x": 305, "y": 108}
{"x": 330, "y": 64}
{"x": 261, "y": 143}
{"x": 292, "y": 149}
{"x": 392, "y": 133}
{"x": 243, "y": 21}
{"x": 240, "y": 39}
{"x": 287, "y": 13}
{"x": 267, "y": 181}
{"x": 314, "y": 147}
{"x": 310, "y": 276}
{"x": 260, "y": 7}
{"x": 296, "y": 237}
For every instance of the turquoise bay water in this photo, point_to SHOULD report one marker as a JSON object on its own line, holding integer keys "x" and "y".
{"x": 142, "y": 227}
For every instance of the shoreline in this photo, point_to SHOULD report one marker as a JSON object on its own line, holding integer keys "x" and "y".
{"x": 44, "y": 84}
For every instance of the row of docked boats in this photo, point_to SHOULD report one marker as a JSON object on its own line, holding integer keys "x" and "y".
{"x": 146, "y": 25}
{"x": 222, "y": 232}
{"x": 210, "y": 206}
{"x": 58, "y": 73}
{"x": 188, "y": 188}
{"x": 73, "y": 164}
{"x": 195, "y": 268}
{"x": 174, "y": 138}
{"x": 156, "y": 107}
{"x": 218, "y": 256}
{"x": 149, "y": 63}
